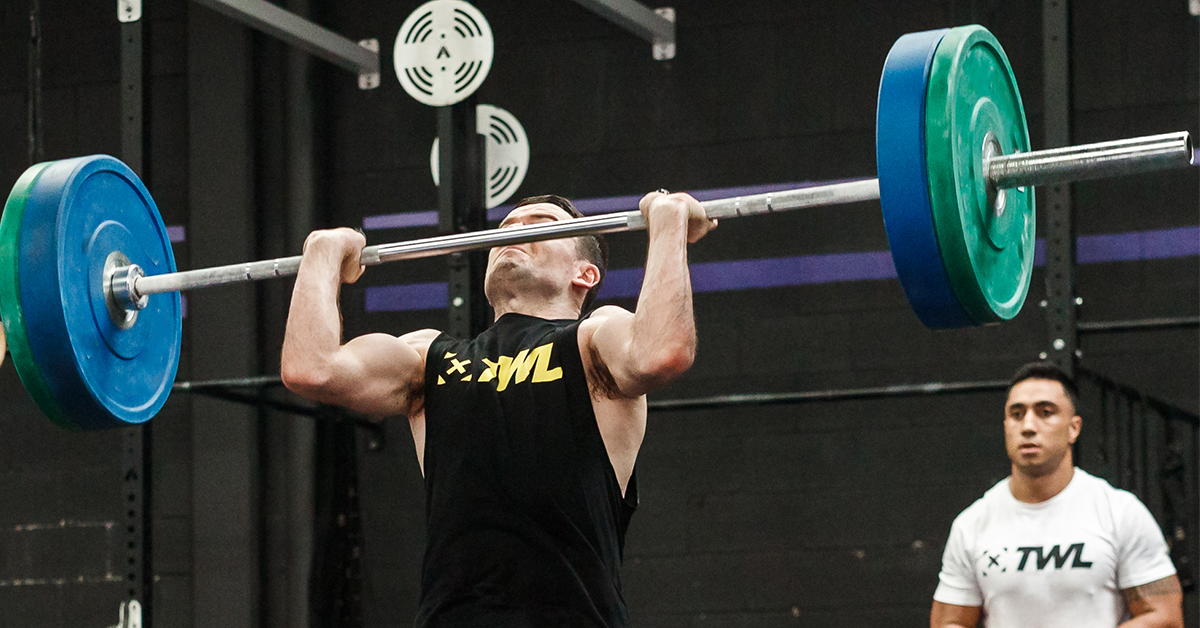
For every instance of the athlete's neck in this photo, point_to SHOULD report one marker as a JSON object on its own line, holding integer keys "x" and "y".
{"x": 548, "y": 309}
{"x": 1036, "y": 489}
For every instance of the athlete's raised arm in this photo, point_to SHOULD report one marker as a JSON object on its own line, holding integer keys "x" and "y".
{"x": 375, "y": 374}
{"x": 657, "y": 342}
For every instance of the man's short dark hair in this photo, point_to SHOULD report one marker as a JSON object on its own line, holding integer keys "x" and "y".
{"x": 593, "y": 248}
{"x": 1050, "y": 371}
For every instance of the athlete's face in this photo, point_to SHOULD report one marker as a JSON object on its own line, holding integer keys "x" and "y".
{"x": 1040, "y": 425}
{"x": 547, "y": 268}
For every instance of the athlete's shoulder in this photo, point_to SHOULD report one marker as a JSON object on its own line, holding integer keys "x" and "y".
{"x": 1126, "y": 510}
{"x": 981, "y": 510}
{"x": 421, "y": 337}
{"x": 606, "y": 312}
{"x": 421, "y": 340}
{"x": 1100, "y": 484}
{"x": 1101, "y": 490}
{"x": 601, "y": 315}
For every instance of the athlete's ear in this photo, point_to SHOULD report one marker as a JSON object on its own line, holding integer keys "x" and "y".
{"x": 1075, "y": 427}
{"x": 587, "y": 275}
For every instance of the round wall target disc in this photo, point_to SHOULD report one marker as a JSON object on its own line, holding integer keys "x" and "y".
{"x": 507, "y": 153}
{"x": 443, "y": 52}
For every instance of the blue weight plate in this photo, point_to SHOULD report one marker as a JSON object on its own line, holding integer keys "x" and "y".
{"x": 904, "y": 184}
{"x": 80, "y": 211}
{"x": 28, "y": 368}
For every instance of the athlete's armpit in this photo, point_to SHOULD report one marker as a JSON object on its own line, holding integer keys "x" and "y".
{"x": 604, "y": 386}
{"x": 1163, "y": 597}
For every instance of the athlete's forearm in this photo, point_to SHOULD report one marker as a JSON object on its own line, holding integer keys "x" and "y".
{"x": 1157, "y": 604}
{"x": 953, "y": 616}
{"x": 1155, "y": 619}
{"x": 1159, "y": 611}
{"x": 664, "y": 330}
{"x": 314, "y": 327}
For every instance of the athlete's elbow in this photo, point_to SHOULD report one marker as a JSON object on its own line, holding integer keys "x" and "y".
{"x": 310, "y": 381}
{"x": 669, "y": 363}
{"x": 1172, "y": 618}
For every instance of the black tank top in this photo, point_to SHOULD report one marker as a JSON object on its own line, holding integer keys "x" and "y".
{"x": 526, "y": 522}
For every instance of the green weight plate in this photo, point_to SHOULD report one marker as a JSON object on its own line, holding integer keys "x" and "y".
{"x": 986, "y": 237}
{"x": 10, "y": 302}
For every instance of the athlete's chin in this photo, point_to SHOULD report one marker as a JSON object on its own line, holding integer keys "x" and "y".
{"x": 509, "y": 259}
{"x": 506, "y": 274}
{"x": 1037, "y": 464}
{"x": 507, "y": 268}
{"x": 511, "y": 255}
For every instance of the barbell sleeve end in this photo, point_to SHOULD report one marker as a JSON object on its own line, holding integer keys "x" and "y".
{"x": 1090, "y": 161}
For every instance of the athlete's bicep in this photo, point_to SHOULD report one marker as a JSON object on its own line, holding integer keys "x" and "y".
{"x": 953, "y": 616}
{"x": 383, "y": 375}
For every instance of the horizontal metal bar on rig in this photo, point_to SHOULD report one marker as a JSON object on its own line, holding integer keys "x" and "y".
{"x": 1140, "y": 324}
{"x": 845, "y": 394}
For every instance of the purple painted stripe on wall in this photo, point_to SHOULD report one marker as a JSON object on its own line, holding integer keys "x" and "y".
{"x": 763, "y": 273}
{"x": 1138, "y": 245}
{"x": 415, "y": 296}
{"x": 401, "y": 221}
{"x": 815, "y": 269}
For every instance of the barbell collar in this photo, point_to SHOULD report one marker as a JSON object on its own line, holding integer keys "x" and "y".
{"x": 1091, "y": 161}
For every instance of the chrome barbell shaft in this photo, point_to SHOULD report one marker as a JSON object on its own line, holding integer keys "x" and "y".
{"x": 1059, "y": 165}
{"x": 816, "y": 196}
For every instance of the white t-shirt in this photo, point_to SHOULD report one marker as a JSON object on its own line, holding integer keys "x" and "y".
{"x": 1062, "y": 562}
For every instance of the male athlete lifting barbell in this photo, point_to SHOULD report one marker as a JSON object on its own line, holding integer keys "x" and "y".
{"x": 527, "y": 435}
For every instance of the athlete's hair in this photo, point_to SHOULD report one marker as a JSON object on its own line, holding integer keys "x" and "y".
{"x": 1050, "y": 371}
{"x": 593, "y": 248}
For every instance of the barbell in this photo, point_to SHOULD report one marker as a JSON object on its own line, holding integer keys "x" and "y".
{"x": 89, "y": 292}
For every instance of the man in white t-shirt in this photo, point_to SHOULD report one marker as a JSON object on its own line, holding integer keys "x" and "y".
{"x": 1052, "y": 546}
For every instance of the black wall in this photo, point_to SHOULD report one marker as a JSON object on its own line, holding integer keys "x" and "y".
{"x": 817, "y": 514}
{"x": 832, "y": 513}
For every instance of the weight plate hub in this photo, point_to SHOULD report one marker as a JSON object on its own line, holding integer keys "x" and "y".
{"x": 102, "y": 374}
{"x": 904, "y": 182}
{"x": 986, "y": 236}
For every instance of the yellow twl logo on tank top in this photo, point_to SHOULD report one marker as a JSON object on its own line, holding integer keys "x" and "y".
{"x": 531, "y": 364}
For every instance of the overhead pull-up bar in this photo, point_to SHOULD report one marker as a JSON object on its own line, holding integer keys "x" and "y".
{"x": 360, "y": 57}
{"x": 656, "y": 26}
